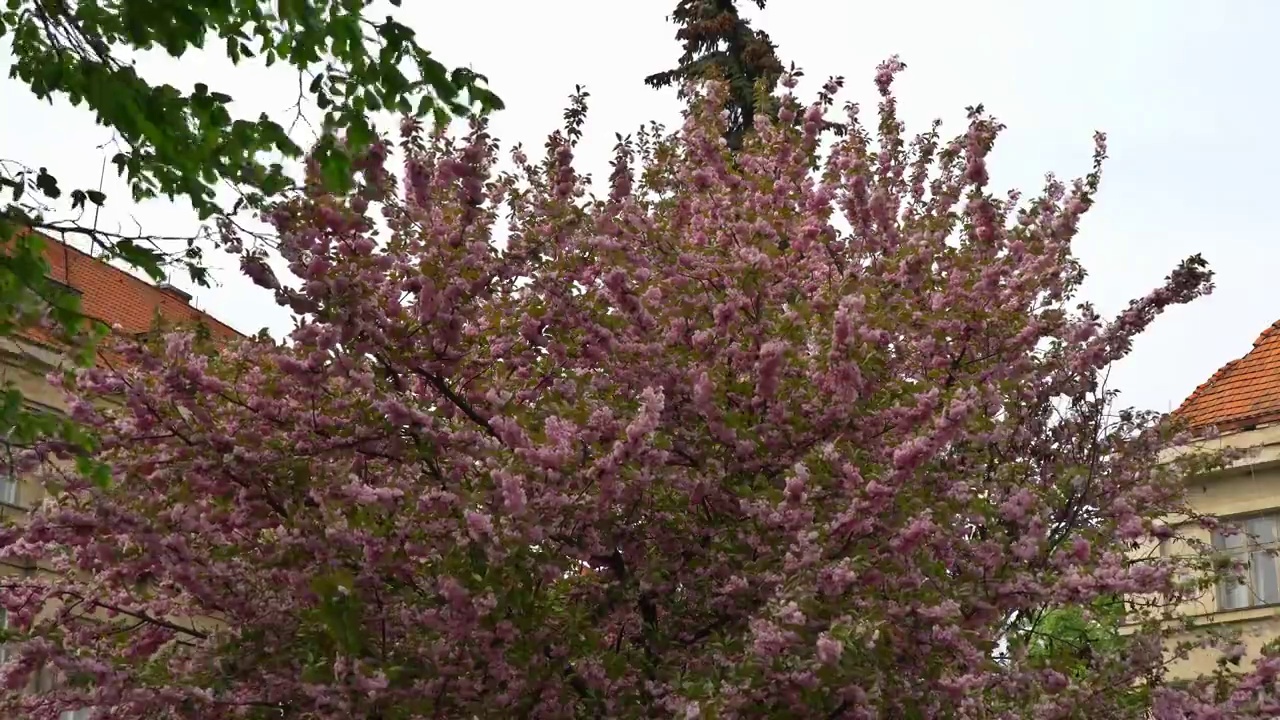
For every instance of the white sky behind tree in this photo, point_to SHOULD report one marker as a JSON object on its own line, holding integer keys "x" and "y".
{"x": 1185, "y": 91}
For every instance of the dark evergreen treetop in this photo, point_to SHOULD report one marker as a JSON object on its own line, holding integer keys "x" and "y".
{"x": 720, "y": 44}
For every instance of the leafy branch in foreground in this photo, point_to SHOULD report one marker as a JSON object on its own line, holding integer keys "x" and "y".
{"x": 183, "y": 144}
{"x": 179, "y": 143}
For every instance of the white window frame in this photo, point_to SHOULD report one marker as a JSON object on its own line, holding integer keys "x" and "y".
{"x": 1257, "y": 547}
{"x": 11, "y": 482}
{"x": 8, "y": 478}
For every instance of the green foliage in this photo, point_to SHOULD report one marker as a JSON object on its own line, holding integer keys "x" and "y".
{"x": 1079, "y": 641}
{"x": 1068, "y": 637}
{"x": 184, "y": 144}
{"x": 179, "y": 144}
{"x": 1072, "y": 629}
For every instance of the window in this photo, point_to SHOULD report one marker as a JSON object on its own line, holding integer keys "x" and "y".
{"x": 1255, "y": 549}
{"x": 10, "y": 484}
{"x": 49, "y": 679}
{"x": 4, "y": 625}
{"x": 8, "y": 479}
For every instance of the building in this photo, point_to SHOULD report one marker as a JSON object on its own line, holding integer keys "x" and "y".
{"x": 1242, "y": 402}
{"x": 107, "y": 295}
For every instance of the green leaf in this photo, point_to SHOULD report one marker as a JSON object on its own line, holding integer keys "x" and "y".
{"x": 188, "y": 144}
{"x": 145, "y": 259}
{"x": 336, "y": 169}
{"x": 98, "y": 472}
{"x": 47, "y": 184}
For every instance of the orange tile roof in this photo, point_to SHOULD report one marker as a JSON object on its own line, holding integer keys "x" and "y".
{"x": 1243, "y": 393}
{"x": 124, "y": 302}
{"x": 116, "y": 297}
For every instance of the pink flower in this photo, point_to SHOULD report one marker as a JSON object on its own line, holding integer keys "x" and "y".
{"x": 829, "y": 650}
{"x": 479, "y": 526}
{"x": 529, "y": 452}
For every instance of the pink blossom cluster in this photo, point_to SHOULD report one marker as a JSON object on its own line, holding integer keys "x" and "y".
{"x": 799, "y": 431}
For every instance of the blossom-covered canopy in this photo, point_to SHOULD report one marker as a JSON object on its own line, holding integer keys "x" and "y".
{"x": 808, "y": 430}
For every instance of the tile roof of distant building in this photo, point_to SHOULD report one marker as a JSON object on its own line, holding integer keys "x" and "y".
{"x": 1243, "y": 393}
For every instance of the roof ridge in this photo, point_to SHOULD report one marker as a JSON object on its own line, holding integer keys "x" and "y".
{"x": 1268, "y": 332}
{"x": 126, "y": 276}
{"x": 1203, "y": 388}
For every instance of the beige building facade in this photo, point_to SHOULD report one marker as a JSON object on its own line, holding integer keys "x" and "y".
{"x": 124, "y": 303}
{"x": 1238, "y": 409}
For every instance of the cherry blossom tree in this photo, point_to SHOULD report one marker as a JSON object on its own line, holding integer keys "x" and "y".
{"x": 535, "y": 453}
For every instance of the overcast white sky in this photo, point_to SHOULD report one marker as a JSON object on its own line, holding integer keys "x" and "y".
{"x": 1186, "y": 91}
